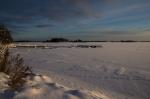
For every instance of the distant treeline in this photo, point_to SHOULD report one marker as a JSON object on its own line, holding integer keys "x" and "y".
{"x": 58, "y": 40}
{"x": 78, "y": 40}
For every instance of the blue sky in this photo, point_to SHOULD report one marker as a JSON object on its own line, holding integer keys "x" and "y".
{"x": 77, "y": 19}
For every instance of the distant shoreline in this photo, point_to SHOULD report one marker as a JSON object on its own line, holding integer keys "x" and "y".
{"x": 59, "y": 39}
{"x": 77, "y": 41}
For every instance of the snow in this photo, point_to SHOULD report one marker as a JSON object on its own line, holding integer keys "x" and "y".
{"x": 118, "y": 70}
{"x": 42, "y": 87}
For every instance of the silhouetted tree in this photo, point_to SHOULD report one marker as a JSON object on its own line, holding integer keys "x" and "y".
{"x": 5, "y": 36}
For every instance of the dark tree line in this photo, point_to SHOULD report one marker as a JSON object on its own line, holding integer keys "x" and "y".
{"x": 58, "y": 40}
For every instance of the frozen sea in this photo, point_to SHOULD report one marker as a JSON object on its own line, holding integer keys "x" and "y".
{"x": 119, "y": 70}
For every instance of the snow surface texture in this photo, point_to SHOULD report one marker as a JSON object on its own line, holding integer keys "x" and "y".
{"x": 42, "y": 87}
{"x": 119, "y": 70}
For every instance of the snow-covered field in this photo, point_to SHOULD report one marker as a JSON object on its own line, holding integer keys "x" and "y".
{"x": 117, "y": 70}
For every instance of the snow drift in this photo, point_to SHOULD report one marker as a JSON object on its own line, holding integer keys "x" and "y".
{"x": 42, "y": 87}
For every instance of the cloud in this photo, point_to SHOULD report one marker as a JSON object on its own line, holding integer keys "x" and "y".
{"x": 115, "y": 32}
{"x": 83, "y": 5}
{"x": 148, "y": 30}
{"x": 15, "y": 26}
{"x": 44, "y": 25}
{"x": 60, "y": 10}
{"x": 53, "y": 9}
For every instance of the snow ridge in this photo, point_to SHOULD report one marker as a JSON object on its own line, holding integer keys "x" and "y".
{"x": 43, "y": 87}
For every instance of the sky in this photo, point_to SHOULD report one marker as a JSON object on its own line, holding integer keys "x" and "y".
{"x": 77, "y": 19}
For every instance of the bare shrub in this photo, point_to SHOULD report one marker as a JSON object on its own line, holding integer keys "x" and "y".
{"x": 14, "y": 67}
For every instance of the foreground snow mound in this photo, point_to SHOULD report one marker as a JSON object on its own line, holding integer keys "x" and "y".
{"x": 42, "y": 87}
